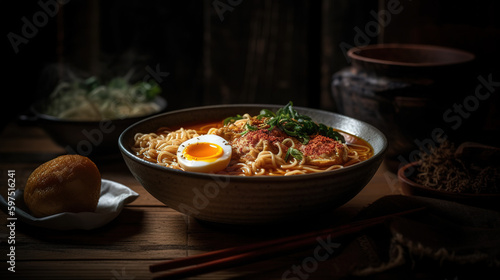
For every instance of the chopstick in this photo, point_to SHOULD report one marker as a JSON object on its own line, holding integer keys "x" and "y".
{"x": 235, "y": 256}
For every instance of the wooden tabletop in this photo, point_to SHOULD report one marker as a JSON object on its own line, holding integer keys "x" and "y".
{"x": 145, "y": 232}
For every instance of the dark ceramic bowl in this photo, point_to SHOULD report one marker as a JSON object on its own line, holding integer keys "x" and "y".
{"x": 238, "y": 200}
{"x": 87, "y": 138}
{"x": 408, "y": 60}
{"x": 411, "y": 188}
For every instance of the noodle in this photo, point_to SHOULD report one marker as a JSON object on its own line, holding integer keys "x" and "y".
{"x": 268, "y": 158}
{"x": 161, "y": 147}
{"x": 89, "y": 100}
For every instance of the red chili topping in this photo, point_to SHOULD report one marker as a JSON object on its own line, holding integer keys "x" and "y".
{"x": 321, "y": 145}
{"x": 273, "y": 136}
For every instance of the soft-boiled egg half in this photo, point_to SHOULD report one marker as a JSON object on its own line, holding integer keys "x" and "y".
{"x": 205, "y": 153}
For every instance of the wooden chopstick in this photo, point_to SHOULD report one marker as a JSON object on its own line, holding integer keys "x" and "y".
{"x": 231, "y": 257}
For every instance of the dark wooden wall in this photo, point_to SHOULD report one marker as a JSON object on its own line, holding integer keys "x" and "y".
{"x": 234, "y": 51}
{"x": 223, "y": 52}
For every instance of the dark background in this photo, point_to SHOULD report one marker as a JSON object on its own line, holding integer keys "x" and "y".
{"x": 259, "y": 52}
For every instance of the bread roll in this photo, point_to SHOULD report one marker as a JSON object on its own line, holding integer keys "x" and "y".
{"x": 69, "y": 183}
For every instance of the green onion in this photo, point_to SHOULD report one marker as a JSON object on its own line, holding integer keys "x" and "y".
{"x": 232, "y": 119}
{"x": 294, "y": 153}
{"x": 288, "y": 120}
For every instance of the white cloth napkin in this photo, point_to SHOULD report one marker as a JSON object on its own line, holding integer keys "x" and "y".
{"x": 113, "y": 197}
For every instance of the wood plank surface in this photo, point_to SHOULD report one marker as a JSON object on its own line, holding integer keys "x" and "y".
{"x": 145, "y": 232}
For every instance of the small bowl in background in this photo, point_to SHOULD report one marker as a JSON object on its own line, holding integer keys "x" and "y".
{"x": 87, "y": 138}
{"x": 411, "y": 188}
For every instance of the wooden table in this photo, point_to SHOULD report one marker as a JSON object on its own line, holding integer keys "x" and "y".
{"x": 144, "y": 233}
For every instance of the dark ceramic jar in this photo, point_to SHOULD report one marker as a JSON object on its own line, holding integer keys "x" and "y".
{"x": 405, "y": 91}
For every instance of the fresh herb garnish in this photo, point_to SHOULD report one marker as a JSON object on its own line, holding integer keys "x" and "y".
{"x": 300, "y": 126}
{"x": 266, "y": 113}
{"x": 288, "y": 120}
{"x": 329, "y": 132}
{"x": 248, "y": 126}
{"x": 294, "y": 153}
{"x": 232, "y": 119}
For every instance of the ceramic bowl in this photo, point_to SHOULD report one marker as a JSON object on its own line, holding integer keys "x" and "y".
{"x": 87, "y": 138}
{"x": 412, "y": 188}
{"x": 237, "y": 200}
{"x": 410, "y": 60}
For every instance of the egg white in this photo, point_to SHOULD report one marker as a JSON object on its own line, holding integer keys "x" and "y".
{"x": 211, "y": 165}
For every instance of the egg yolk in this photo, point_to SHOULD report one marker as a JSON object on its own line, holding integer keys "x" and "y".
{"x": 203, "y": 151}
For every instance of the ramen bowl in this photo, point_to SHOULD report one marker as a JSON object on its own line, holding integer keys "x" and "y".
{"x": 252, "y": 200}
